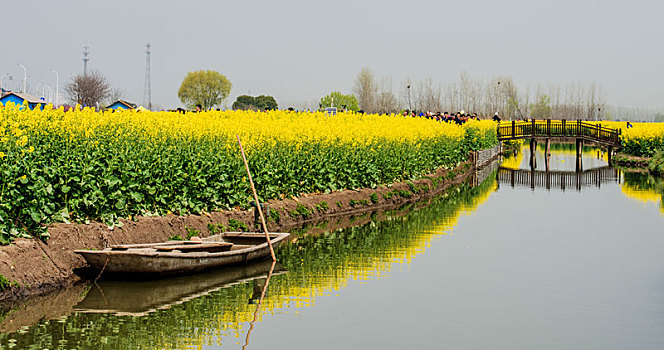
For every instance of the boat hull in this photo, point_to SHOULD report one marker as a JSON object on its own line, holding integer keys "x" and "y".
{"x": 150, "y": 262}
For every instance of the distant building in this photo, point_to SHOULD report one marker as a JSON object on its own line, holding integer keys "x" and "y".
{"x": 120, "y": 104}
{"x": 19, "y": 97}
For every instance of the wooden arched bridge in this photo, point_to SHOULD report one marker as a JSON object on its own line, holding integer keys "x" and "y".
{"x": 548, "y": 128}
{"x": 560, "y": 130}
{"x": 558, "y": 179}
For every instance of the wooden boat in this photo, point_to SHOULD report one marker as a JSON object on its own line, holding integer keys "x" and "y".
{"x": 179, "y": 257}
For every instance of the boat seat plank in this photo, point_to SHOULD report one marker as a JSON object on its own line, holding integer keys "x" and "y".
{"x": 203, "y": 247}
{"x": 152, "y": 245}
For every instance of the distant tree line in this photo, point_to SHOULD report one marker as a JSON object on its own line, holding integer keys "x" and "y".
{"x": 372, "y": 95}
{"x": 499, "y": 94}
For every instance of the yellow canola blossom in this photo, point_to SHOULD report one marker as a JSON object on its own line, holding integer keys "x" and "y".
{"x": 186, "y": 163}
{"x": 253, "y": 127}
{"x": 639, "y": 130}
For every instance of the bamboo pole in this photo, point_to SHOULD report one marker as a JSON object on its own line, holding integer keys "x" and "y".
{"x": 258, "y": 204}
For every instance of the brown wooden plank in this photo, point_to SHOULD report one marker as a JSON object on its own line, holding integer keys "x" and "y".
{"x": 151, "y": 245}
{"x": 209, "y": 247}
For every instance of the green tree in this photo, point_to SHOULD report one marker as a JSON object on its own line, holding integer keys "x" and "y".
{"x": 245, "y": 102}
{"x": 265, "y": 102}
{"x": 348, "y": 102}
{"x": 541, "y": 109}
{"x": 207, "y": 88}
{"x": 262, "y": 102}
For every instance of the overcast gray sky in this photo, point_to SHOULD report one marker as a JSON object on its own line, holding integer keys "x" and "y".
{"x": 301, "y": 50}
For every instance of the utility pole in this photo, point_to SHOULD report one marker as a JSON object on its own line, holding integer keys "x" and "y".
{"x": 25, "y": 76}
{"x": 147, "y": 93}
{"x": 410, "y": 107}
{"x": 57, "y": 87}
{"x": 86, "y": 58}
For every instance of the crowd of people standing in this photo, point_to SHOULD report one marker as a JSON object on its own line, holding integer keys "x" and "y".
{"x": 457, "y": 118}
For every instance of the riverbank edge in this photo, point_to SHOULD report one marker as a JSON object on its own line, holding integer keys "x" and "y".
{"x": 629, "y": 161}
{"x": 35, "y": 267}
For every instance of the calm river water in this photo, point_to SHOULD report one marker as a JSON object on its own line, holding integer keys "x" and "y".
{"x": 507, "y": 264}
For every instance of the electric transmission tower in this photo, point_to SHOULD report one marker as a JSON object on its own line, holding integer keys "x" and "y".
{"x": 147, "y": 93}
{"x": 86, "y": 58}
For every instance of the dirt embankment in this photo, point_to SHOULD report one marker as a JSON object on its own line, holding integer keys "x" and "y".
{"x": 38, "y": 267}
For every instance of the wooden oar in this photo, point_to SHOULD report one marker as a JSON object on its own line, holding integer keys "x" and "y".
{"x": 258, "y": 204}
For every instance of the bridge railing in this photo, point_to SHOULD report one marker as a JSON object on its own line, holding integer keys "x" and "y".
{"x": 558, "y": 128}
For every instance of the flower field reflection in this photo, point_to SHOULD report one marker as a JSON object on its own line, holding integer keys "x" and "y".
{"x": 645, "y": 189}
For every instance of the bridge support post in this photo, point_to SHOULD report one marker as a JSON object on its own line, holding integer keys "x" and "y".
{"x": 547, "y": 153}
{"x": 610, "y": 154}
{"x": 579, "y": 152}
{"x": 533, "y": 149}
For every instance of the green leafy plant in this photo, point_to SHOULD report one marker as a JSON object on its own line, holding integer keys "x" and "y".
{"x": 192, "y": 232}
{"x": 405, "y": 194}
{"x": 275, "y": 216}
{"x": 215, "y": 229}
{"x": 301, "y": 211}
{"x": 6, "y": 284}
{"x": 322, "y": 207}
{"x": 237, "y": 225}
{"x": 656, "y": 165}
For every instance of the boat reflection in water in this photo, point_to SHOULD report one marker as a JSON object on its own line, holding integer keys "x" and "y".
{"x": 140, "y": 298}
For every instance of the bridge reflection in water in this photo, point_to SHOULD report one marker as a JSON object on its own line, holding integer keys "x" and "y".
{"x": 558, "y": 179}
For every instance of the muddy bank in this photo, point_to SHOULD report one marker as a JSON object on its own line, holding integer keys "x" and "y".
{"x": 39, "y": 267}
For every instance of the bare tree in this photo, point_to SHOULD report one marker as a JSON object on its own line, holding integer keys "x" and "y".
{"x": 386, "y": 101}
{"x": 493, "y": 97}
{"x": 451, "y": 97}
{"x": 508, "y": 95}
{"x": 427, "y": 96}
{"x": 500, "y": 94}
{"x": 89, "y": 89}
{"x": 114, "y": 95}
{"x": 366, "y": 90}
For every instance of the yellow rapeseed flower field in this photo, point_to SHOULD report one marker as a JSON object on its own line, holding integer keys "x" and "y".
{"x": 88, "y": 165}
{"x": 643, "y": 139}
